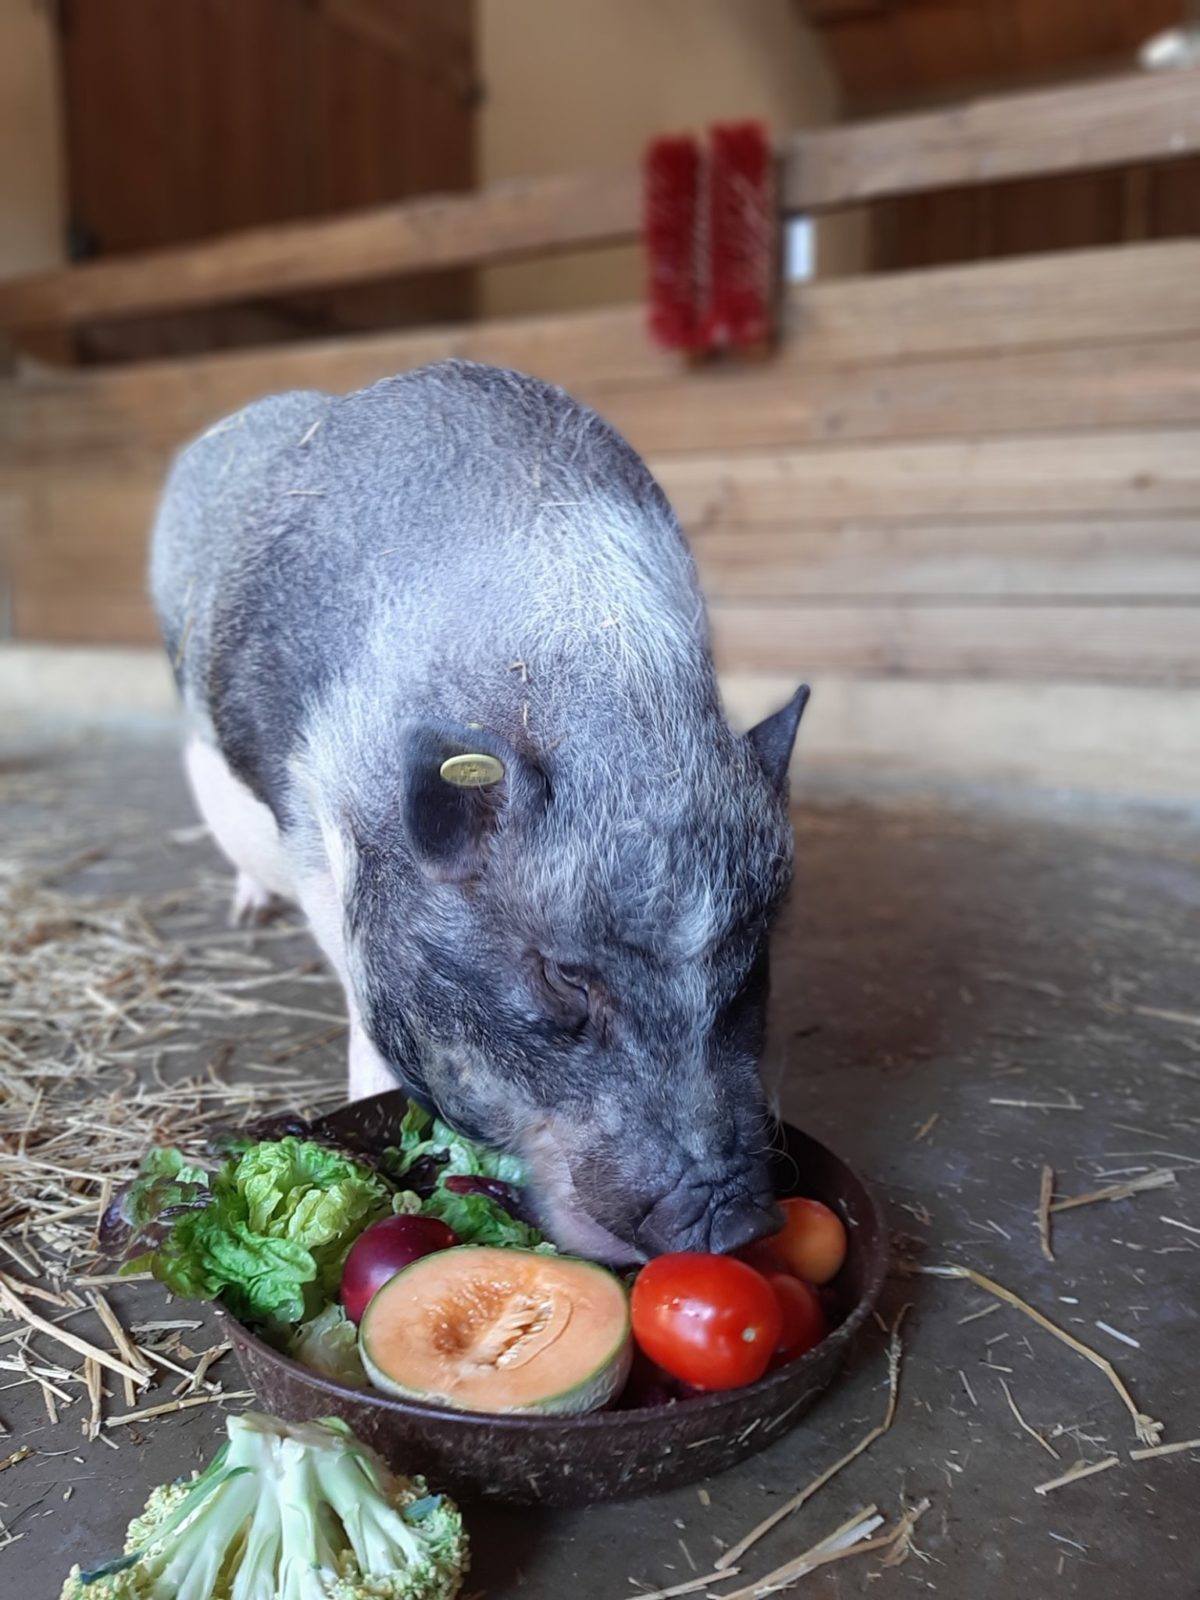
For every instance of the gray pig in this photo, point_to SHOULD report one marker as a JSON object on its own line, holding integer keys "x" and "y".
{"x": 566, "y": 954}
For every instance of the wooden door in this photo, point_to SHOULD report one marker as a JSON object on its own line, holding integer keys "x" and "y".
{"x": 190, "y": 118}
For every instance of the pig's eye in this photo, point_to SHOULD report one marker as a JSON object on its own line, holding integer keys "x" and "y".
{"x": 563, "y": 991}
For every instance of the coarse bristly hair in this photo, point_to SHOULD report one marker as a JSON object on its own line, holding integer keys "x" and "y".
{"x": 463, "y": 557}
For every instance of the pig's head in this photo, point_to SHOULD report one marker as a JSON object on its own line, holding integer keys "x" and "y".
{"x": 573, "y": 964}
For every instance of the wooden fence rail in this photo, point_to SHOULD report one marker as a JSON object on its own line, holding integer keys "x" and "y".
{"x": 1105, "y": 338}
{"x": 988, "y": 471}
{"x": 1096, "y": 125}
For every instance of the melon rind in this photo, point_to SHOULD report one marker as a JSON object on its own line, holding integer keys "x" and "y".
{"x": 597, "y": 1388}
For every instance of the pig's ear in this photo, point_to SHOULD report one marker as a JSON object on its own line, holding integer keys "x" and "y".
{"x": 461, "y": 786}
{"x": 773, "y": 738}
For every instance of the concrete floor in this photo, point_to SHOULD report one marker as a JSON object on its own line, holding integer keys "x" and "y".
{"x": 941, "y": 954}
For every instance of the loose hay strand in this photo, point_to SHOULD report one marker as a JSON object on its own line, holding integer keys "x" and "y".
{"x": 1082, "y": 1469}
{"x": 690, "y": 1586}
{"x": 895, "y": 1351}
{"x": 850, "y": 1539}
{"x": 198, "y": 1378}
{"x": 1069, "y": 1104}
{"x": 34, "y": 1290}
{"x": 1125, "y": 1338}
{"x": 1045, "y": 1196}
{"x": 91, "y": 1378}
{"x": 1160, "y": 1178}
{"x": 125, "y": 1346}
{"x": 170, "y": 1406}
{"x": 860, "y": 1525}
{"x": 17, "y": 1308}
{"x": 984, "y": 1311}
{"x": 1164, "y": 1450}
{"x": 1147, "y": 1429}
{"x": 1031, "y": 1431}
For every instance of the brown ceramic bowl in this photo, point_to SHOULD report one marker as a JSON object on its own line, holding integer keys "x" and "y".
{"x": 608, "y": 1455}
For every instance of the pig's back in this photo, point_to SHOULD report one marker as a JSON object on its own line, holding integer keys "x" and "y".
{"x": 405, "y": 546}
{"x": 212, "y": 523}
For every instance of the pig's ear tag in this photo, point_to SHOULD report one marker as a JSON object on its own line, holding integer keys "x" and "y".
{"x": 472, "y": 771}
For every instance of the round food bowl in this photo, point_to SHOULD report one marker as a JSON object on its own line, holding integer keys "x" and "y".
{"x": 606, "y": 1455}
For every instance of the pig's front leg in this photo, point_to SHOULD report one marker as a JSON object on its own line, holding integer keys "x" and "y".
{"x": 253, "y": 903}
{"x": 369, "y": 1072}
{"x": 321, "y": 900}
{"x": 244, "y": 830}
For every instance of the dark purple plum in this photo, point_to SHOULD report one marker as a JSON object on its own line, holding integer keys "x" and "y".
{"x": 383, "y": 1250}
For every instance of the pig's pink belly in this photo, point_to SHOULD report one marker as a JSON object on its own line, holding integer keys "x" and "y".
{"x": 242, "y": 826}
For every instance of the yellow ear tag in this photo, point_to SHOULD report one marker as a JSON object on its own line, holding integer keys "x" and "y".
{"x": 472, "y": 771}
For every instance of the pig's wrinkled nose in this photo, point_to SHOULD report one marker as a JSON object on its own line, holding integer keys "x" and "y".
{"x": 688, "y": 1219}
{"x": 740, "y": 1222}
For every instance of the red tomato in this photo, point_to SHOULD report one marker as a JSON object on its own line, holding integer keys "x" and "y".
{"x": 804, "y": 1322}
{"x": 762, "y": 1257}
{"x": 812, "y": 1241}
{"x": 710, "y": 1320}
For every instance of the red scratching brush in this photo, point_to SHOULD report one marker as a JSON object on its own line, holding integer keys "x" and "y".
{"x": 671, "y": 194}
{"x": 711, "y": 234}
{"x": 741, "y": 237}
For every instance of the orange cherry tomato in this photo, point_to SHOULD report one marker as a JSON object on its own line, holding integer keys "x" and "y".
{"x": 709, "y": 1320}
{"x": 812, "y": 1241}
{"x": 804, "y": 1321}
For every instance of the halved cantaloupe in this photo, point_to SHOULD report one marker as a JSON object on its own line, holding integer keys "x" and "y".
{"x": 483, "y": 1329}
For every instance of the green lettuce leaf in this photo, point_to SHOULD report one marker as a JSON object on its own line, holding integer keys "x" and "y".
{"x": 165, "y": 1180}
{"x": 311, "y": 1196}
{"x": 273, "y": 1237}
{"x": 328, "y": 1343}
{"x": 424, "y": 1135}
{"x": 164, "y": 1161}
{"x": 477, "y": 1219}
{"x": 268, "y": 1231}
{"x": 213, "y": 1253}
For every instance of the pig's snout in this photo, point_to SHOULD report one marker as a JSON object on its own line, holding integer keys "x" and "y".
{"x": 698, "y": 1217}
{"x": 592, "y": 1199}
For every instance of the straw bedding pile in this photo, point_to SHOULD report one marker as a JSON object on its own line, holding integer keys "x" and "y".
{"x": 100, "y": 1004}
{"x": 123, "y": 1019}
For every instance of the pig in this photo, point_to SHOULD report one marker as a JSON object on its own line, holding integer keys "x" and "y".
{"x": 560, "y": 942}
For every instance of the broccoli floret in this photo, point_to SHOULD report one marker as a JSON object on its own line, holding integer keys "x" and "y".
{"x": 287, "y": 1512}
{"x": 163, "y": 1503}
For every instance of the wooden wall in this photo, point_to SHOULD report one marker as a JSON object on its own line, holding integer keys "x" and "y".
{"x": 550, "y": 106}
{"x": 1065, "y": 212}
{"x": 893, "y": 55}
{"x": 963, "y": 501}
{"x": 991, "y": 470}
